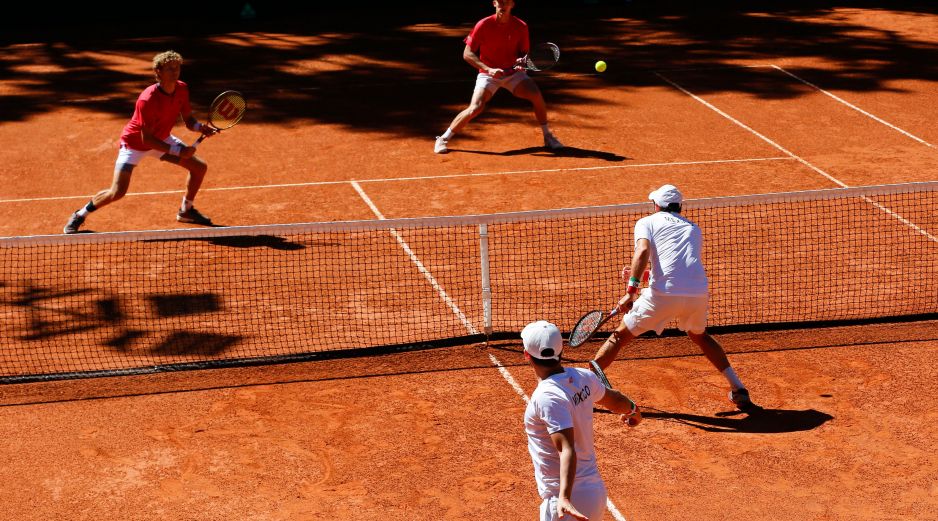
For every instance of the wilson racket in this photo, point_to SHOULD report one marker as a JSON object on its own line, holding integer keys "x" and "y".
{"x": 541, "y": 57}
{"x": 225, "y": 112}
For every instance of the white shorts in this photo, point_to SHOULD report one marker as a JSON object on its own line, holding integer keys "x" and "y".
{"x": 653, "y": 311}
{"x": 132, "y": 156}
{"x": 508, "y": 81}
{"x": 589, "y": 500}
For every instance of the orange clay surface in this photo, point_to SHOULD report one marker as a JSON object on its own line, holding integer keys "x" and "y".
{"x": 339, "y": 119}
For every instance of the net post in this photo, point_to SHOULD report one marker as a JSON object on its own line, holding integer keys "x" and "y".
{"x": 486, "y": 283}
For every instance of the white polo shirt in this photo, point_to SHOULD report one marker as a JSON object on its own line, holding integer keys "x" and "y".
{"x": 559, "y": 402}
{"x": 676, "y": 247}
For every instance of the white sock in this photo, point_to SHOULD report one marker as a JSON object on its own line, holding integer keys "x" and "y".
{"x": 85, "y": 210}
{"x": 731, "y": 377}
{"x": 448, "y": 134}
{"x": 545, "y": 129}
{"x": 186, "y": 205}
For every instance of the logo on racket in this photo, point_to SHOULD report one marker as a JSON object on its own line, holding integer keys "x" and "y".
{"x": 228, "y": 110}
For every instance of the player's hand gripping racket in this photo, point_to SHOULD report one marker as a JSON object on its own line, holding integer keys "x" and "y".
{"x": 592, "y": 321}
{"x": 541, "y": 57}
{"x": 633, "y": 417}
{"x": 225, "y": 112}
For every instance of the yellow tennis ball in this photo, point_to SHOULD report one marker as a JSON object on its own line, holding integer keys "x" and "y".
{"x": 600, "y": 66}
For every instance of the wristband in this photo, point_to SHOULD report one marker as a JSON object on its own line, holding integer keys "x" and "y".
{"x": 634, "y": 283}
{"x": 197, "y": 127}
{"x": 175, "y": 150}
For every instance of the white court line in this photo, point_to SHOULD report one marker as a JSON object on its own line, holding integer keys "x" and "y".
{"x": 858, "y": 109}
{"x": 398, "y": 179}
{"x": 420, "y": 267}
{"x": 753, "y": 131}
{"x": 514, "y": 385}
{"x": 508, "y": 378}
{"x": 885, "y": 210}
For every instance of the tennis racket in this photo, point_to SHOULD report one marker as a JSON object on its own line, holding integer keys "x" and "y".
{"x": 589, "y": 324}
{"x": 225, "y": 112}
{"x": 599, "y": 372}
{"x": 592, "y": 321}
{"x": 541, "y": 57}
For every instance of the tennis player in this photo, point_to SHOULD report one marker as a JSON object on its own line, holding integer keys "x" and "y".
{"x": 496, "y": 47}
{"x": 149, "y": 134}
{"x": 559, "y": 425}
{"x": 678, "y": 288}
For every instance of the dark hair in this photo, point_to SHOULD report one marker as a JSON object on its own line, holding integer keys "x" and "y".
{"x": 545, "y": 362}
{"x": 673, "y": 207}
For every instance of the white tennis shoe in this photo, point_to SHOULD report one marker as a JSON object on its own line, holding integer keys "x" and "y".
{"x": 440, "y": 146}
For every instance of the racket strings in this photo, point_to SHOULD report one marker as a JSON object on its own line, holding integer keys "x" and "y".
{"x": 543, "y": 57}
{"x": 585, "y": 327}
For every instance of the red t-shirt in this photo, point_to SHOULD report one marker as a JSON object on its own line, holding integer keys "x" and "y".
{"x": 158, "y": 112}
{"x": 499, "y": 45}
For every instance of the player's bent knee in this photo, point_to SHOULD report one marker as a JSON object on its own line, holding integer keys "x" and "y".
{"x": 197, "y": 167}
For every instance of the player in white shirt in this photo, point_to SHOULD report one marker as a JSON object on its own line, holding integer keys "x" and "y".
{"x": 559, "y": 425}
{"x": 677, "y": 288}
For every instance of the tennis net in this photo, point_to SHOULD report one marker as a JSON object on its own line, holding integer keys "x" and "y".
{"x": 137, "y": 302}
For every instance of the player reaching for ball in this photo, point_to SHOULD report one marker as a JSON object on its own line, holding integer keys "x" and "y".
{"x": 496, "y": 47}
{"x": 559, "y": 423}
{"x": 677, "y": 291}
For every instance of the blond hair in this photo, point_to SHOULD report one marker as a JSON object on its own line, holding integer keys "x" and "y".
{"x": 163, "y": 58}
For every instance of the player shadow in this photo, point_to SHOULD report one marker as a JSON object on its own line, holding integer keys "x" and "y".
{"x": 762, "y": 421}
{"x": 243, "y": 241}
{"x": 580, "y": 153}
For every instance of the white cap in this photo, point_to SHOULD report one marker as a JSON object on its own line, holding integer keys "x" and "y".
{"x": 667, "y": 194}
{"x": 542, "y": 340}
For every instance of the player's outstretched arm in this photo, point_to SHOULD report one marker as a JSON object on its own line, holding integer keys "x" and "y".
{"x": 617, "y": 402}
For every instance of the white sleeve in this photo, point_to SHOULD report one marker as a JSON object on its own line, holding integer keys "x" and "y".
{"x": 597, "y": 389}
{"x": 642, "y": 230}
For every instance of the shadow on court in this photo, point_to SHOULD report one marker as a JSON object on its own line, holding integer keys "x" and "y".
{"x": 273, "y": 242}
{"x": 581, "y": 153}
{"x": 401, "y": 71}
{"x": 765, "y": 421}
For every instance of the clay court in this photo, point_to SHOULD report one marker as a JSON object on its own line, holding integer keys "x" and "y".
{"x": 340, "y": 127}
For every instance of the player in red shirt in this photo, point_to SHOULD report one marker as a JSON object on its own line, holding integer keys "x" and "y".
{"x": 149, "y": 133}
{"x": 495, "y": 47}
